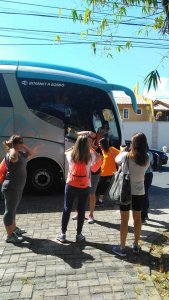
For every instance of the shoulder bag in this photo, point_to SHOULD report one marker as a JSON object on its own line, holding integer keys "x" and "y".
{"x": 119, "y": 190}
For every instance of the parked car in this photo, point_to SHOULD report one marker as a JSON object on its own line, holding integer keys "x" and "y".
{"x": 160, "y": 157}
{"x": 162, "y": 154}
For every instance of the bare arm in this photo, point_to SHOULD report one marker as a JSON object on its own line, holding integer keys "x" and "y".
{"x": 97, "y": 162}
{"x": 27, "y": 150}
{"x": 90, "y": 133}
{"x": 119, "y": 159}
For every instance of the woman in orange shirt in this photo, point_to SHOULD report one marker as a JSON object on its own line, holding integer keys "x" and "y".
{"x": 107, "y": 169}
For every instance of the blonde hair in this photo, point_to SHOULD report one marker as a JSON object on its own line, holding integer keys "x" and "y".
{"x": 13, "y": 140}
{"x": 81, "y": 150}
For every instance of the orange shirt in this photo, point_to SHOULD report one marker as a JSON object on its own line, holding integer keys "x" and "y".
{"x": 109, "y": 166}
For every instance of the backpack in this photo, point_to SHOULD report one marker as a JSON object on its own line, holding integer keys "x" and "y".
{"x": 78, "y": 175}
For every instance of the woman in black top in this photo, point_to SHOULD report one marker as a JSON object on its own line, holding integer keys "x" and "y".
{"x": 13, "y": 185}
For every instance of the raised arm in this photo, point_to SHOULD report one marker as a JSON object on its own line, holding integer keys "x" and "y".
{"x": 27, "y": 150}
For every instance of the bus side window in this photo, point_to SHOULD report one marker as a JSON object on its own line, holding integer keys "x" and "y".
{"x": 46, "y": 101}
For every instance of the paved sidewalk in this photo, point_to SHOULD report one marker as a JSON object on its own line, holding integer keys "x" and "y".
{"x": 40, "y": 268}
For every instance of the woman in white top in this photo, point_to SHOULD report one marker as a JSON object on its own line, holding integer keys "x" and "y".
{"x": 138, "y": 164}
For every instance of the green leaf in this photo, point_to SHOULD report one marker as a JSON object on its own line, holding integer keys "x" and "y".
{"x": 119, "y": 48}
{"x": 159, "y": 22}
{"x": 83, "y": 34}
{"x": 59, "y": 12}
{"x": 153, "y": 78}
{"x": 110, "y": 55}
{"x": 128, "y": 45}
{"x": 93, "y": 46}
{"x": 74, "y": 15}
{"x": 122, "y": 12}
{"x": 57, "y": 38}
{"x": 103, "y": 25}
{"x": 87, "y": 15}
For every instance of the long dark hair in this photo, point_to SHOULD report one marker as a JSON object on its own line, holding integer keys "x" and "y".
{"x": 81, "y": 150}
{"x": 104, "y": 144}
{"x": 138, "y": 150}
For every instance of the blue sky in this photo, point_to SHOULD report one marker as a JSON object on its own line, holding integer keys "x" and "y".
{"x": 126, "y": 68}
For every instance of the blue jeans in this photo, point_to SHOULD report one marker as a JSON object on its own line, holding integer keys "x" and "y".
{"x": 71, "y": 193}
{"x": 147, "y": 183}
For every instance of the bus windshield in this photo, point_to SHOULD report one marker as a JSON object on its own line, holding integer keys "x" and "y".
{"x": 73, "y": 107}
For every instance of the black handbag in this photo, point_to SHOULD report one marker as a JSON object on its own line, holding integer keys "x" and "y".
{"x": 119, "y": 190}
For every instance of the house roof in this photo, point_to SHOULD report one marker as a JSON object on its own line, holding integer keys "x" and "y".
{"x": 160, "y": 107}
{"x": 127, "y": 100}
{"x": 163, "y": 102}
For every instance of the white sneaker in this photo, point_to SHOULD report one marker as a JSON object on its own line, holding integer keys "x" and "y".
{"x": 61, "y": 237}
{"x": 75, "y": 217}
{"x": 90, "y": 220}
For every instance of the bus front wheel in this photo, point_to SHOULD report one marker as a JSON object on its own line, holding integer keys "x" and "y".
{"x": 43, "y": 176}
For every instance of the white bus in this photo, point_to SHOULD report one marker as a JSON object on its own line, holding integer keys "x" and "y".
{"x": 47, "y": 105}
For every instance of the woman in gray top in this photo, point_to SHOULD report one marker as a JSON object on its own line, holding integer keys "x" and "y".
{"x": 13, "y": 185}
{"x": 138, "y": 163}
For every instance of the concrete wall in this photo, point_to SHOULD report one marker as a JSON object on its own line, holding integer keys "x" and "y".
{"x": 157, "y": 133}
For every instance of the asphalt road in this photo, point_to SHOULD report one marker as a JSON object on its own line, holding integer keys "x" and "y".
{"x": 159, "y": 191}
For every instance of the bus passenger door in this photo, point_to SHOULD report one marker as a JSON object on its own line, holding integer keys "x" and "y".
{"x": 112, "y": 134}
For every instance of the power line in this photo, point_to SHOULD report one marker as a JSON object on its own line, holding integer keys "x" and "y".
{"x": 33, "y": 31}
{"x": 30, "y": 13}
{"x": 64, "y": 8}
{"x": 88, "y": 38}
{"x": 70, "y": 18}
{"x": 114, "y": 43}
{"x": 81, "y": 43}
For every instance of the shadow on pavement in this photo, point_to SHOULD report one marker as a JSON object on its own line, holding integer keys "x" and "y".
{"x": 164, "y": 169}
{"x": 112, "y": 225}
{"x": 71, "y": 253}
{"x": 161, "y": 194}
{"x": 143, "y": 259}
{"x": 161, "y": 224}
{"x": 74, "y": 255}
